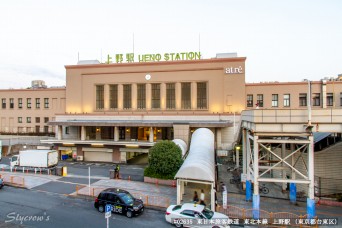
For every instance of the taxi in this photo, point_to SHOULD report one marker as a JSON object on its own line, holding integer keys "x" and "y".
{"x": 121, "y": 201}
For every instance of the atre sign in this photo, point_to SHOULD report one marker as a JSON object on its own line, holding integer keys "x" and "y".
{"x": 233, "y": 70}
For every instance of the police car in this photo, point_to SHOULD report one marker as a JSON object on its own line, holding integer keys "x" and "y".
{"x": 122, "y": 202}
{"x": 195, "y": 215}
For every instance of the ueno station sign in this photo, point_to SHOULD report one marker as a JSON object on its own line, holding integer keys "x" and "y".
{"x": 130, "y": 57}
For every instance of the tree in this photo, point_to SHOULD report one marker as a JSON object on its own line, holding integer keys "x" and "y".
{"x": 165, "y": 159}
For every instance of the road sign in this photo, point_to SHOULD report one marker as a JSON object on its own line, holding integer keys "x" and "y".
{"x": 108, "y": 210}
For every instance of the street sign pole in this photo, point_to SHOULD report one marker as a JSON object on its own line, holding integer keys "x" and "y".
{"x": 108, "y": 210}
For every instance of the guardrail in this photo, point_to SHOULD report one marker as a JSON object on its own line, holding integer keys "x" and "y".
{"x": 272, "y": 218}
{"x": 149, "y": 200}
{"x": 12, "y": 180}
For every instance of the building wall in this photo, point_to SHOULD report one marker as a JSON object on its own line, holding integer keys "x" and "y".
{"x": 294, "y": 89}
{"x": 225, "y": 92}
{"x": 9, "y": 116}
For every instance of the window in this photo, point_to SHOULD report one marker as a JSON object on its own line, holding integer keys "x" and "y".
{"x": 46, "y": 119}
{"x": 46, "y": 102}
{"x": 316, "y": 100}
{"x": 141, "y": 96}
{"x": 302, "y": 99}
{"x": 127, "y": 96}
{"x": 20, "y": 119}
{"x": 286, "y": 100}
{"x": 28, "y": 102}
{"x": 274, "y": 100}
{"x": 46, "y": 129}
{"x": 37, "y": 102}
{"x": 37, "y": 119}
{"x": 3, "y": 100}
{"x": 37, "y": 129}
{"x": 20, "y": 102}
{"x": 171, "y": 96}
{"x": 113, "y": 96}
{"x": 249, "y": 100}
{"x": 99, "y": 96}
{"x": 66, "y": 130}
{"x": 202, "y": 95}
{"x": 340, "y": 99}
{"x": 260, "y": 100}
{"x": 330, "y": 99}
{"x": 155, "y": 96}
{"x": 11, "y": 103}
{"x": 186, "y": 95}
{"x": 28, "y": 119}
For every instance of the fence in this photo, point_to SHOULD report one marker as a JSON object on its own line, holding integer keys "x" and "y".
{"x": 272, "y": 218}
{"x": 327, "y": 187}
{"x": 149, "y": 200}
{"x": 16, "y": 181}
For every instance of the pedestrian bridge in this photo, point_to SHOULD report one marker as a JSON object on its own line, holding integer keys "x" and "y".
{"x": 278, "y": 143}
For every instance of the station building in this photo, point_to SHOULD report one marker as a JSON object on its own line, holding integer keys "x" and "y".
{"x": 117, "y": 111}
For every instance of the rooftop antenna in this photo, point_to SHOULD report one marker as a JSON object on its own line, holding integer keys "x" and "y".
{"x": 133, "y": 44}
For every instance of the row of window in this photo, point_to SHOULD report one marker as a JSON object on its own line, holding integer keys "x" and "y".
{"x": 316, "y": 100}
{"x": 20, "y": 103}
{"x": 28, "y": 119}
{"x": 202, "y": 102}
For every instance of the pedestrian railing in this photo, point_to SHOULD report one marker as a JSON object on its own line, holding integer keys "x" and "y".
{"x": 278, "y": 219}
{"x": 149, "y": 200}
{"x": 12, "y": 180}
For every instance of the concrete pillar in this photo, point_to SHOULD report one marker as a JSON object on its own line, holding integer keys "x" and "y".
{"x": 193, "y": 95}
{"x": 178, "y": 192}
{"x": 151, "y": 134}
{"x": 178, "y": 95}
{"x": 120, "y": 97}
{"x": 106, "y": 97}
{"x": 218, "y": 138}
{"x": 244, "y": 152}
{"x": 212, "y": 197}
{"x": 116, "y": 133}
{"x": 310, "y": 203}
{"x": 148, "y": 96}
{"x": 60, "y": 132}
{"x": 83, "y": 133}
{"x": 237, "y": 151}
{"x": 162, "y": 96}
{"x": 134, "y": 96}
{"x": 248, "y": 156}
{"x": 256, "y": 196}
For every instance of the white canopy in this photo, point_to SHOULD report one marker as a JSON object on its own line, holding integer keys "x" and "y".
{"x": 200, "y": 162}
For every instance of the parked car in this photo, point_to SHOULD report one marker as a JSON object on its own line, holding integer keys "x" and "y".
{"x": 194, "y": 215}
{"x": 122, "y": 202}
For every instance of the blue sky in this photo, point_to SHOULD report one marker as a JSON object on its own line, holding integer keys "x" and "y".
{"x": 282, "y": 40}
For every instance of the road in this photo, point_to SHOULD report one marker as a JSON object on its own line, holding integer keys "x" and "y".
{"x": 134, "y": 172}
{"x": 23, "y": 208}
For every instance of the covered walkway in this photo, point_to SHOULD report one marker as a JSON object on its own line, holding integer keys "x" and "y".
{"x": 199, "y": 165}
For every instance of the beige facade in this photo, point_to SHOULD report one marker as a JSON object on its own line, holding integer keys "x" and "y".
{"x": 293, "y": 95}
{"x": 116, "y": 110}
{"x": 30, "y": 110}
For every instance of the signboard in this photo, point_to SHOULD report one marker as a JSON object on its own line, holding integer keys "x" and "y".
{"x": 130, "y": 57}
{"x": 224, "y": 199}
{"x": 233, "y": 70}
{"x": 108, "y": 210}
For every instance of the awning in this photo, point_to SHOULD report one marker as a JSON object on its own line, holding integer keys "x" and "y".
{"x": 318, "y": 136}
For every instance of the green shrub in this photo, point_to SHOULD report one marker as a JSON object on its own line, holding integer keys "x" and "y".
{"x": 165, "y": 159}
